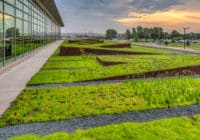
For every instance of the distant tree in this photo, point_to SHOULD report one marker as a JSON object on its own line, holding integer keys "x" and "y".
{"x": 140, "y": 32}
{"x": 135, "y": 35}
{"x": 173, "y": 40}
{"x": 128, "y": 34}
{"x": 165, "y": 35}
{"x": 174, "y": 34}
{"x": 166, "y": 43}
{"x": 136, "y": 38}
{"x": 111, "y": 33}
{"x": 188, "y": 43}
{"x": 146, "y": 33}
{"x": 133, "y": 32}
{"x": 10, "y": 32}
{"x": 156, "y": 33}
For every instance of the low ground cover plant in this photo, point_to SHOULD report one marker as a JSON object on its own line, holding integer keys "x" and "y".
{"x": 175, "y": 128}
{"x": 139, "y": 64}
{"x": 50, "y": 104}
{"x": 142, "y": 58}
{"x": 71, "y": 64}
{"x": 58, "y": 58}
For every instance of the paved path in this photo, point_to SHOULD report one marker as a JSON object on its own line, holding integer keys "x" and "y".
{"x": 14, "y": 81}
{"x": 72, "y": 125}
{"x": 189, "y": 51}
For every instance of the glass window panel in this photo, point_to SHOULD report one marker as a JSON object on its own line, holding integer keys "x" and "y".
{"x": 19, "y": 14}
{"x": 26, "y": 9}
{"x": 9, "y": 36}
{"x": 9, "y": 9}
{"x": 19, "y": 37}
{"x": 1, "y": 6}
{"x": 19, "y": 4}
{"x": 11, "y": 2}
{"x": 26, "y": 17}
{"x": 1, "y": 39}
{"x": 27, "y": 35}
{"x": 26, "y": 2}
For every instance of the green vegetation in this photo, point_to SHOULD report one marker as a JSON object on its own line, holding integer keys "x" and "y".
{"x": 61, "y": 103}
{"x": 71, "y": 64}
{"x": 176, "y": 128}
{"x": 111, "y": 33}
{"x": 35, "y": 105}
{"x": 138, "y": 64}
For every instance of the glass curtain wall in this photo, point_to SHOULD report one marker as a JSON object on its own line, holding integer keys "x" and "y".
{"x": 1, "y": 34}
{"x": 23, "y": 27}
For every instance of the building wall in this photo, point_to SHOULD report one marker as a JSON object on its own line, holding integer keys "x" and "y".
{"x": 23, "y": 27}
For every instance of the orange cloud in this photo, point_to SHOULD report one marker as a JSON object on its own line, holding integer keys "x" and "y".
{"x": 167, "y": 19}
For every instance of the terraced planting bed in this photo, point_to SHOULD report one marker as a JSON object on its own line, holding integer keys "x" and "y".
{"x": 100, "y": 48}
{"x": 137, "y": 66}
{"x": 50, "y": 102}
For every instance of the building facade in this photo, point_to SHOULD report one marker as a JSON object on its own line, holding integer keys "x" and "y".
{"x": 26, "y": 25}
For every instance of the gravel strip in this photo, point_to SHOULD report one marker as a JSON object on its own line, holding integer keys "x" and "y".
{"x": 96, "y": 121}
{"x": 75, "y": 84}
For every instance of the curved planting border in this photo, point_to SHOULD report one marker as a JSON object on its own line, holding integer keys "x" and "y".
{"x": 71, "y": 125}
{"x": 182, "y": 71}
{"x": 71, "y": 51}
{"x": 124, "y": 45}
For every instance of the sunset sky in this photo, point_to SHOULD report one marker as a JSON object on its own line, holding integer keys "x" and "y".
{"x": 99, "y": 15}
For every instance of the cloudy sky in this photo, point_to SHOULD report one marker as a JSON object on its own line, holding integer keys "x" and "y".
{"x": 99, "y": 15}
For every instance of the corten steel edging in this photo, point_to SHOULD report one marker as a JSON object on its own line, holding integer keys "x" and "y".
{"x": 67, "y": 51}
{"x": 181, "y": 71}
{"x": 125, "y": 45}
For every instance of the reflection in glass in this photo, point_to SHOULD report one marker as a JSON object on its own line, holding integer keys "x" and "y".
{"x": 27, "y": 36}
{"x": 26, "y": 27}
{"x": 9, "y": 9}
{"x": 19, "y": 37}
{"x": 1, "y": 39}
{"x": 9, "y": 30}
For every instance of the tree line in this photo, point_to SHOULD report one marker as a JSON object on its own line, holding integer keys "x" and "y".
{"x": 153, "y": 33}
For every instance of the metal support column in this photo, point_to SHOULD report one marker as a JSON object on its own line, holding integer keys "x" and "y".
{"x": 4, "y": 49}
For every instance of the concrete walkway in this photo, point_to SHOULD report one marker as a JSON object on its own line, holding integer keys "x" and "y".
{"x": 14, "y": 81}
{"x": 189, "y": 51}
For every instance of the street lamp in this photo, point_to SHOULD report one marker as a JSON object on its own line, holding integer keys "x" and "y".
{"x": 185, "y": 28}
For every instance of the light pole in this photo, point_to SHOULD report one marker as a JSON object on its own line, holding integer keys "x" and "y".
{"x": 185, "y": 28}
